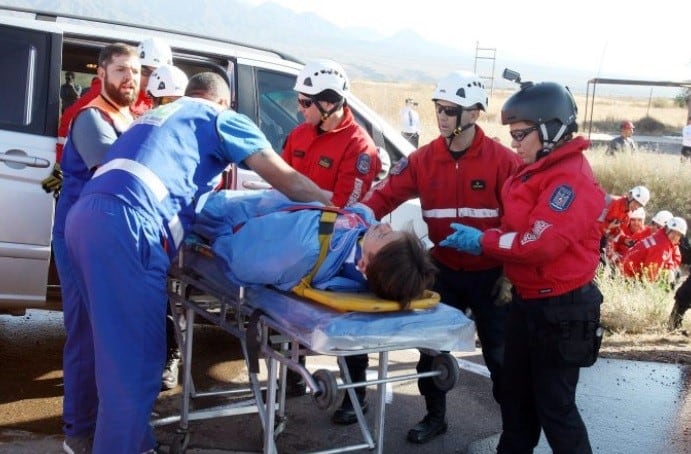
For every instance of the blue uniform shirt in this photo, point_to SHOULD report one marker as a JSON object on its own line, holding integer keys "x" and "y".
{"x": 259, "y": 238}
{"x": 171, "y": 156}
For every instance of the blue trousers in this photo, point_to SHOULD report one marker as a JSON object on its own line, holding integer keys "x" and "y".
{"x": 120, "y": 268}
{"x": 80, "y": 401}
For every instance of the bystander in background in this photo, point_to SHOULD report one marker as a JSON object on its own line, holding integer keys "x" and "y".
{"x": 410, "y": 122}
{"x": 624, "y": 142}
{"x": 686, "y": 141}
{"x": 70, "y": 91}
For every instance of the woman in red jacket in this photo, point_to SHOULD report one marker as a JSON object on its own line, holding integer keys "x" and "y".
{"x": 549, "y": 243}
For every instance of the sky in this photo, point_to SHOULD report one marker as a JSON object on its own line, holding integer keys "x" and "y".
{"x": 607, "y": 38}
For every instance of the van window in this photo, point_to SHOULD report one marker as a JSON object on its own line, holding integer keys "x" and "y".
{"x": 278, "y": 113}
{"x": 24, "y": 80}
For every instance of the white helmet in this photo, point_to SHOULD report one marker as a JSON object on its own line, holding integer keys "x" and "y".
{"x": 638, "y": 213}
{"x": 319, "y": 75}
{"x": 677, "y": 224}
{"x": 463, "y": 88}
{"x": 167, "y": 80}
{"x": 640, "y": 194}
{"x": 661, "y": 217}
{"x": 155, "y": 52}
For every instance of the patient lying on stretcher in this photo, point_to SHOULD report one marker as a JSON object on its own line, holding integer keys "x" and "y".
{"x": 261, "y": 237}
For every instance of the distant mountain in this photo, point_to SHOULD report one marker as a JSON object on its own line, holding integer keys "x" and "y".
{"x": 365, "y": 53}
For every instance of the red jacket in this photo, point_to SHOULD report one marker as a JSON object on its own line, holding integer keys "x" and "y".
{"x": 466, "y": 190}
{"x": 624, "y": 243}
{"x": 141, "y": 105}
{"x": 647, "y": 257}
{"x": 343, "y": 160}
{"x": 615, "y": 217}
{"x": 549, "y": 238}
{"x": 69, "y": 114}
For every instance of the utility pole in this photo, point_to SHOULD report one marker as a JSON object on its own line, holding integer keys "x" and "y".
{"x": 485, "y": 53}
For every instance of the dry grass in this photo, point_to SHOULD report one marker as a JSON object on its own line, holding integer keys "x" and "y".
{"x": 629, "y": 308}
{"x": 654, "y": 116}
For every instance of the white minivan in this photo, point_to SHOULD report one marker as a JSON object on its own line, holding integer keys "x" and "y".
{"x": 38, "y": 47}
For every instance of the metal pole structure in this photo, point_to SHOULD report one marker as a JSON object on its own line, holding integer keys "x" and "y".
{"x": 485, "y": 53}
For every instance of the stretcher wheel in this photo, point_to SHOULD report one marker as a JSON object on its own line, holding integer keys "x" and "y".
{"x": 327, "y": 393}
{"x": 448, "y": 369}
{"x": 180, "y": 441}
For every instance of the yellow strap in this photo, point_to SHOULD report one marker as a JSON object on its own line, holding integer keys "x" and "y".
{"x": 326, "y": 228}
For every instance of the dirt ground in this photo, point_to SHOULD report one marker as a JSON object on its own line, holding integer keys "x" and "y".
{"x": 673, "y": 348}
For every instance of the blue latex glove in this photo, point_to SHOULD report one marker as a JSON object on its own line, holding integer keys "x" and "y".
{"x": 464, "y": 239}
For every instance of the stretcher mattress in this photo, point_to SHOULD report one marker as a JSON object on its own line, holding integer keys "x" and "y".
{"x": 326, "y": 331}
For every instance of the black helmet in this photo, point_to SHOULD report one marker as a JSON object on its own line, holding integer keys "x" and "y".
{"x": 547, "y": 104}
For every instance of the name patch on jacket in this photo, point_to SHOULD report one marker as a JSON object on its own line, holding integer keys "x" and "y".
{"x": 363, "y": 163}
{"x": 561, "y": 198}
{"x": 399, "y": 166}
{"x": 325, "y": 162}
{"x": 299, "y": 153}
{"x": 477, "y": 185}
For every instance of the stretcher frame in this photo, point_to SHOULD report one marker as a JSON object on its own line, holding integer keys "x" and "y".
{"x": 229, "y": 307}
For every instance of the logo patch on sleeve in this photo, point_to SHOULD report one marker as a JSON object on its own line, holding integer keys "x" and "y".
{"x": 363, "y": 163}
{"x": 325, "y": 162}
{"x": 562, "y": 198}
{"x": 399, "y": 166}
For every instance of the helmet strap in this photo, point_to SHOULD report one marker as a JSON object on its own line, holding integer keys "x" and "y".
{"x": 457, "y": 132}
{"x": 458, "y": 129}
{"x": 547, "y": 144}
{"x": 324, "y": 114}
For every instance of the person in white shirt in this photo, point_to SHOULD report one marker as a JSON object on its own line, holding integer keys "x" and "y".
{"x": 410, "y": 122}
{"x": 686, "y": 141}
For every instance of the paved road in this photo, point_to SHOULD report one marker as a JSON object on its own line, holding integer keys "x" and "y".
{"x": 629, "y": 407}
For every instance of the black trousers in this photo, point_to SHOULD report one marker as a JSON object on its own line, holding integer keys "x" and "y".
{"x": 536, "y": 394}
{"x": 471, "y": 290}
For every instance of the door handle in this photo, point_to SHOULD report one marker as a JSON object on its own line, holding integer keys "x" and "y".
{"x": 18, "y": 159}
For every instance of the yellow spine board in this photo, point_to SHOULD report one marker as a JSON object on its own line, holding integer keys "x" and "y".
{"x": 366, "y": 302}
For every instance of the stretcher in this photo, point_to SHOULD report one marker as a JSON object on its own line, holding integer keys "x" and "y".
{"x": 277, "y": 328}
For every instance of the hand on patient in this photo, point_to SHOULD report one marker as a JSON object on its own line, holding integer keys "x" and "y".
{"x": 464, "y": 239}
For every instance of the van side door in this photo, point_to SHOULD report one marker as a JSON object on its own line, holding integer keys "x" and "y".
{"x": 29, "y": 85}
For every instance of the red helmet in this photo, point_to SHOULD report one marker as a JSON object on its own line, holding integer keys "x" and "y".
{"x": 626, "y": 124}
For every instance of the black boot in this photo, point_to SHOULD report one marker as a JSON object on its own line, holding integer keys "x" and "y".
{"x": 676, "y": 316}
{"x": 346, "y": 413}
{"x": 434, "y": 422}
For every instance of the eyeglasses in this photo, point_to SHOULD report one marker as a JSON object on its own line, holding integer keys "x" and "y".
{"x": 519, "y": 134}
{"x": 146, "y": 71}
{"x": 305, "y": 103}
{"x": 449, "y": 111}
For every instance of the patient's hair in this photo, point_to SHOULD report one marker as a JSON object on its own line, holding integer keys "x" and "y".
{"x": 401, "y": 270}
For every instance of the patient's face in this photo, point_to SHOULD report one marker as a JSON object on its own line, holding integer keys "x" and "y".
{"x": 376, "y": 237}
